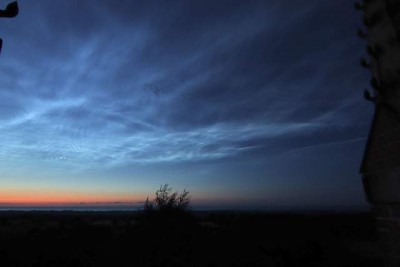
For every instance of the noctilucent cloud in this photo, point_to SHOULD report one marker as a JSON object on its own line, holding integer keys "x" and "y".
{"x": 245, "y": 103}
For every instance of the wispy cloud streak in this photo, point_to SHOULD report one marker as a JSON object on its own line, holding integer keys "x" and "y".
{"x": 106, "y": 85}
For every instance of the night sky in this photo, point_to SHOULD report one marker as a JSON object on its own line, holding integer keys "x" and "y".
{"x": 247, "y": 104}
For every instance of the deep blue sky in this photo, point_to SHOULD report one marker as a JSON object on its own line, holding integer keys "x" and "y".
{"x": 245, "y": 103}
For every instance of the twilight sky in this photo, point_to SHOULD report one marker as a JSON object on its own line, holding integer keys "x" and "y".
{"x": 245, "y": 103}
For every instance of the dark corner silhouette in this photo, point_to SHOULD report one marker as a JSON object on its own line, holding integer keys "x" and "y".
{"x": 10, "y": 12}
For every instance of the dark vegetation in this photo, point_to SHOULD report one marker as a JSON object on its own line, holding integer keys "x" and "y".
{"x": 167, "y": 233}
{"x": 167, "y": 210}
{"x": 68, "y": 238}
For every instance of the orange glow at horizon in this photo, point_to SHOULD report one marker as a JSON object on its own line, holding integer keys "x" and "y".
{"x": 56, "y": 196}
{"x": 26, "y": 197}
{"x": 54, "y": 199}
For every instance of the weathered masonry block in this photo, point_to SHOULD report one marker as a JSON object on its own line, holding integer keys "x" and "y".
{"x": 381, "y": 163}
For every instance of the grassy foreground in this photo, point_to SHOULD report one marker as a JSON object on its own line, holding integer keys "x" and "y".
{"x": 67, "y": 238}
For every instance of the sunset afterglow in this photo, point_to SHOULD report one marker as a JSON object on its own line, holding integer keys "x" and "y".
{"x": 247, "y": 104}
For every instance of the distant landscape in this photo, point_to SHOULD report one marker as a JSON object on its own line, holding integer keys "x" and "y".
{"x": 213, "y": 238}
{"x": 139, "y": 206}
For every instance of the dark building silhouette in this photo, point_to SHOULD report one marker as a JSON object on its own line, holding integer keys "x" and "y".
{"x": 10, "y": 12}
{"x": 380, "y": 167}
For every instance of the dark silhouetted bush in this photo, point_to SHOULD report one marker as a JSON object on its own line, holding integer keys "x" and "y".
{"x": 168, "y": 208}
{"x": 165, "y": 201}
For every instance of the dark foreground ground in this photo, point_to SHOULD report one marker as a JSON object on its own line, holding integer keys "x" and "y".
{"x": 211, "y": 239}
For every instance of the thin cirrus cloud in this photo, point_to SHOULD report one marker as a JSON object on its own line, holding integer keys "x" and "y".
{"x": 104, "y": 84}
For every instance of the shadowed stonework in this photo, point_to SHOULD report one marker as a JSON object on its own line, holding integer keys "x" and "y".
{"x": 381, "y": 164}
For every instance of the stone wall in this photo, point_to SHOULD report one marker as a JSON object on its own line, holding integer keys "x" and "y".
{"x": 381, "y": 179}
{"x": 381, "y": 164}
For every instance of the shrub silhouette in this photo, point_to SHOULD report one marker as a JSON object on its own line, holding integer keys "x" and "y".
{"x": 167, "y": 207}
{"x": 164, "y": 200}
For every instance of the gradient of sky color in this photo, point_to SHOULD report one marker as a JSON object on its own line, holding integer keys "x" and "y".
{"x": 245, "y": 103}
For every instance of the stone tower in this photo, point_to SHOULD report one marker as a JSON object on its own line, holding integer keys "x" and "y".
{"x": 380, "y": 167}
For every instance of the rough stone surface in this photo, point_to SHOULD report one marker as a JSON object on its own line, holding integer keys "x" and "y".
{"x": 381, "y": 164}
